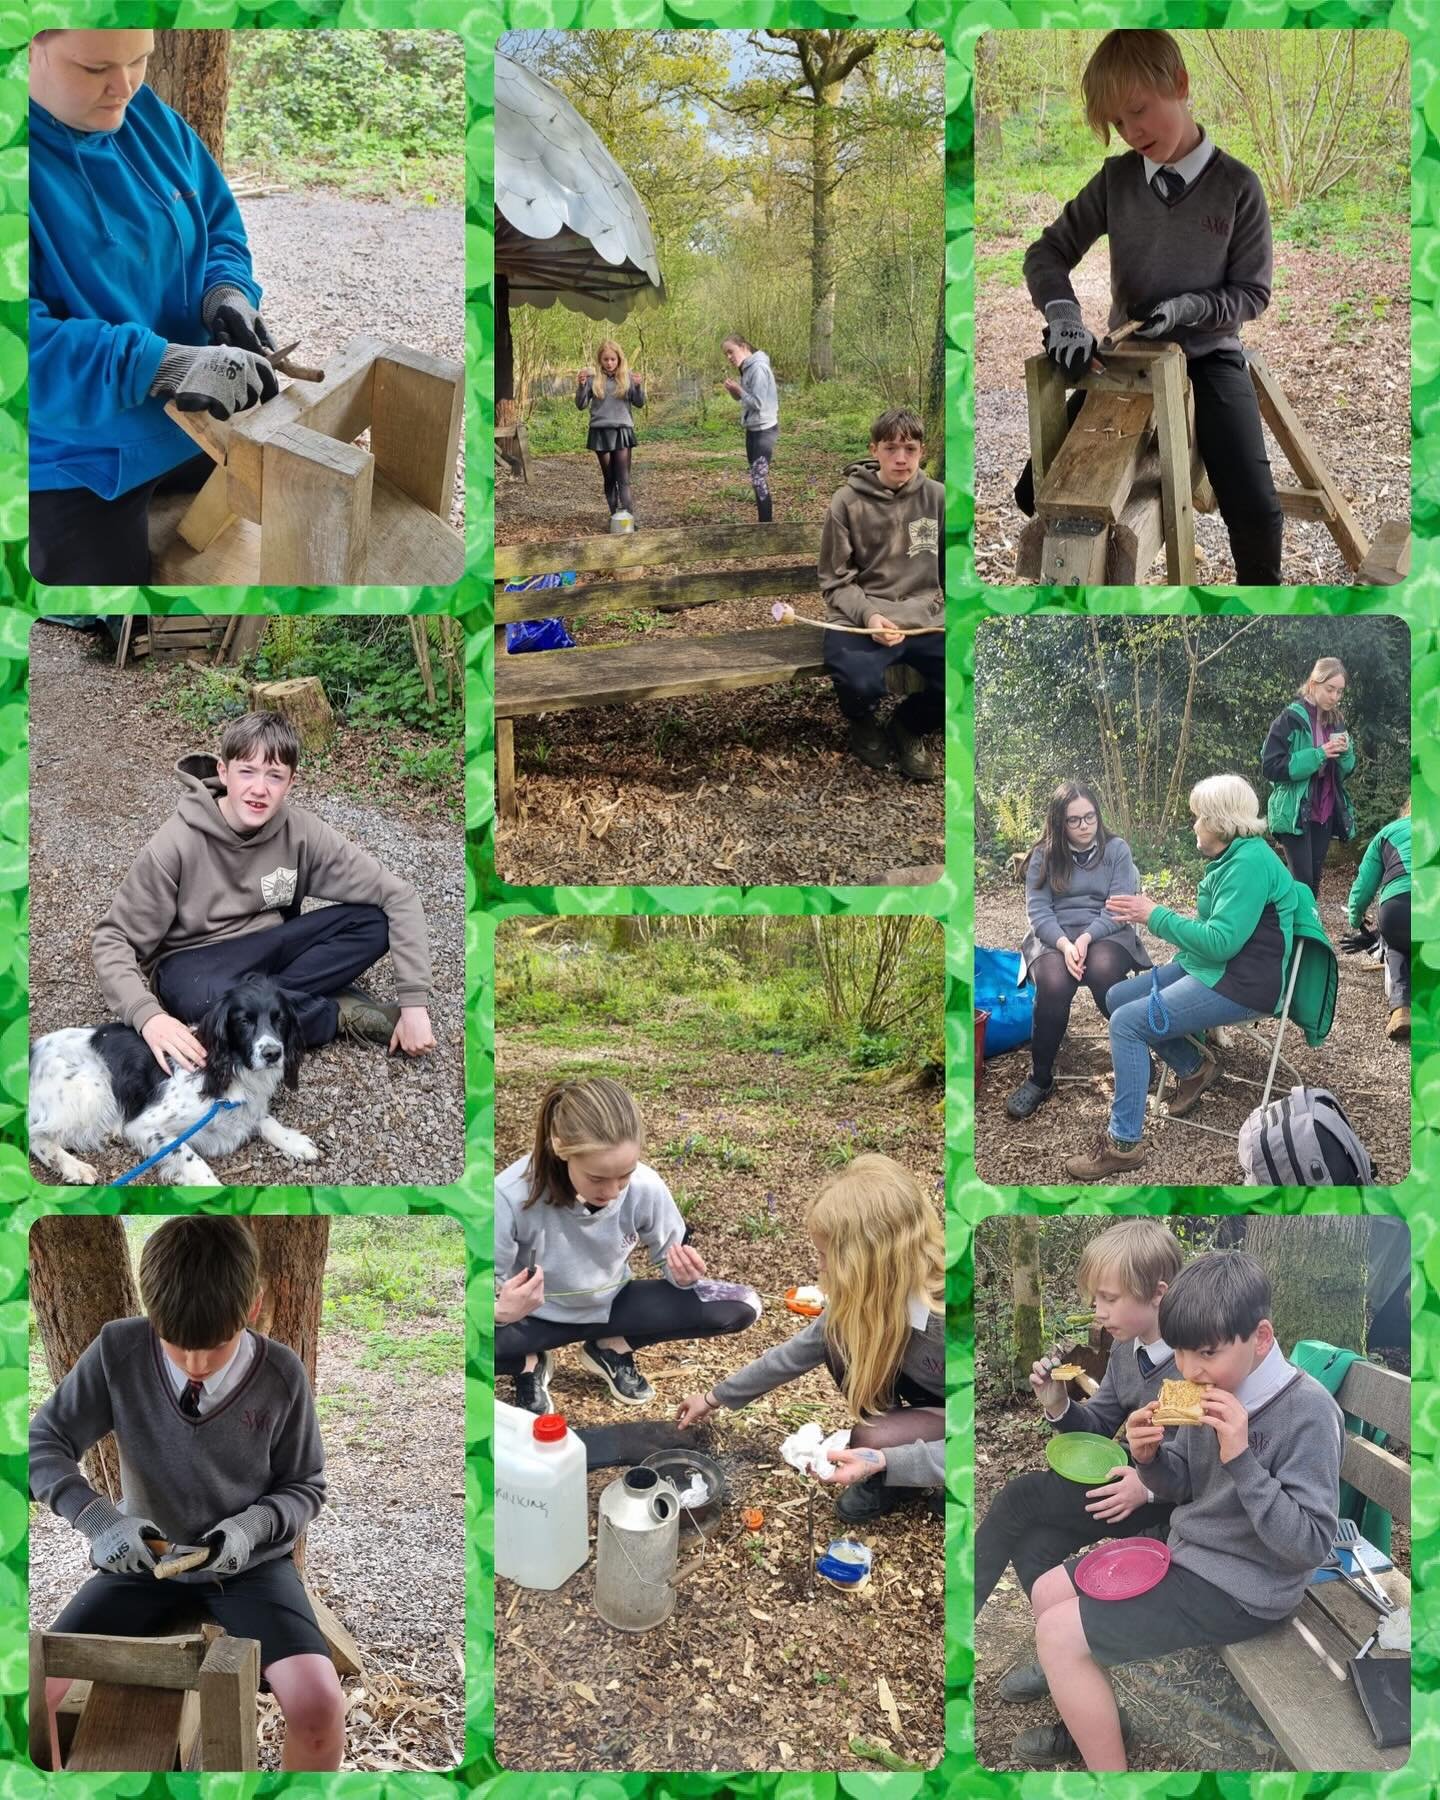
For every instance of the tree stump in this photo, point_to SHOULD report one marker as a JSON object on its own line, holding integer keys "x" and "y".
{"x": 303, "y": 703}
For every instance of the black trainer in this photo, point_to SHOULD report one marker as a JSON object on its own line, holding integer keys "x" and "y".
{"x": 1024, "y": 1684}
{"x": 869, "y": 1499}
{"x": 532, "y": 1387}
{"x": 1029, "y": 1097}
{"x": 616, "y": 1368}
{"x": 1046, "y": 1744}
{"x": 870, "y": 743}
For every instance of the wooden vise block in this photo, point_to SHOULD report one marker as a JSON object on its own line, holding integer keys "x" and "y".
{"x": 330, "y": 513}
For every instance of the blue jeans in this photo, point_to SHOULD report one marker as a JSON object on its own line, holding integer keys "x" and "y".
{"x": 1191, "y": 1008}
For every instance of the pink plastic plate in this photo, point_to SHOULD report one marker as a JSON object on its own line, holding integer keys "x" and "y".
{"x": 1123, "y": 1569}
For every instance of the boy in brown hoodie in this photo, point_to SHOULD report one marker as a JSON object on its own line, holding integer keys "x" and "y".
{"x": 882, "y": 569}
{"x": 215, "y": 896}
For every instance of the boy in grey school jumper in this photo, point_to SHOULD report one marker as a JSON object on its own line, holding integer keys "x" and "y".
{"x": 1256, "y": 1493}
{"x": 219, "y": 1449}
{"x": 1190, "y": 254}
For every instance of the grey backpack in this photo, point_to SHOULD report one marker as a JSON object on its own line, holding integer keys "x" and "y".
{"x": 1304, "y": 1140}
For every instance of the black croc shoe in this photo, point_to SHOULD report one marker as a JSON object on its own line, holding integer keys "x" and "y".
{"x": 1029, "y": 1097}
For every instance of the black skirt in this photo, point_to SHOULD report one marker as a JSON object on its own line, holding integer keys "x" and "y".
{"x": 610, "y": 437}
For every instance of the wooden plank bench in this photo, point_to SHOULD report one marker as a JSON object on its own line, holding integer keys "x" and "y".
{"x": 1319, "y": 1723}
{"x": 654, "y": 571}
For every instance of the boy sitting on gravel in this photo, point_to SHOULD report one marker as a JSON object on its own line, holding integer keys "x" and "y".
{"x": 882, "y": 570}
{"x": 215, "y": 896}
{"x": 219, "y": 1451}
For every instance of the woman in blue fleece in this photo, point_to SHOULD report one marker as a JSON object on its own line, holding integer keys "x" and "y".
{"x": 141, "y": 291}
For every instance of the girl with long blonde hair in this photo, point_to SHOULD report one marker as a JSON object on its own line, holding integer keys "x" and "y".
{"x": 609, "y": 390}
{"x": 881, "y": 1249}
{"x": 567, "y": 1217}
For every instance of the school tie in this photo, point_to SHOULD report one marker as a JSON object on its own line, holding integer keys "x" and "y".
{"x": 1168, "y": 185}
{"x": 190, "y": 1399}
{"x": 1143, "y": 1360}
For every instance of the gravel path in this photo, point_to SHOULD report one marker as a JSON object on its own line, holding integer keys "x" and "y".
{"x": 335, "y": 269}
{"x": 100, "y": 780}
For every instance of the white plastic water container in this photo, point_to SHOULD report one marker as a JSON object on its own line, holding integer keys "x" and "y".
{"x": 542, "y": 1512}
{"x": 621, "y": 522}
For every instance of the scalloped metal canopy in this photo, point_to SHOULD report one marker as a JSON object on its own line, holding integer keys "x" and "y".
{"x": 569, "y": 225}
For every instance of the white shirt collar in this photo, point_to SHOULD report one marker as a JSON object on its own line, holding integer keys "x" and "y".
{"x": 215, "y": 1386}
{"x": 1158, "y": 1352}
{"x": 1265, "y": 1381}
{"x": 1189, "y": 166}
{"x": 920, "y": 1314}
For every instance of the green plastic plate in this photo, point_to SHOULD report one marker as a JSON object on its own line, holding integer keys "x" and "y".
{"x": 1083, "y": 1456}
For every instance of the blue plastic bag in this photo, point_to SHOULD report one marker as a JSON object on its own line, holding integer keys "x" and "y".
{"x": 539, "y": 634}
{"x": 1010, "y": 1004}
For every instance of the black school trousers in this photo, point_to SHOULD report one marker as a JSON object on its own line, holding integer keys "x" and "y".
{"x": 1231, "y": 441}
{"x": 79, "y": 540}
{"x": 856, "y": 666}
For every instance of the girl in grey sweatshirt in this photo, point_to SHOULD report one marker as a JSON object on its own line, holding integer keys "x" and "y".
{"x": 881, "y": 1250}
{"x": 759, "y": 416}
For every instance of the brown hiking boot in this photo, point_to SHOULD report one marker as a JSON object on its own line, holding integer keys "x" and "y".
{"x": 916, "y": 762}
{"x": 1107, "y": 1158}
{"x": 1187, "y": 1092}
{"x": 1398, "y": 1030}
{"x": 363, "y": 1016}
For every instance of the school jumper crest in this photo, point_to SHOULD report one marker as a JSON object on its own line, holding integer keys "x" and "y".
{"x": 278, "y": 887}
{"x": 924, "y": 535}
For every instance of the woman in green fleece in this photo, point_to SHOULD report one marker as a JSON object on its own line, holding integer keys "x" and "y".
{"x": 1385, "y": 870}
{"x": 1230, "y": 965}
{"x": 1307, "y": 755}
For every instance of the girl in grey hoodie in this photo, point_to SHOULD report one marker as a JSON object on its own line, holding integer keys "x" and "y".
{"x": 759, "y": 414}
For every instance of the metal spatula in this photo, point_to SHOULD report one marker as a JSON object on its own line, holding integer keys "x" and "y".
{"x": 1347, "y": 1537}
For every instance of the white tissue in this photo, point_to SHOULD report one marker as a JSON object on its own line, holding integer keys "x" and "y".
{"x": 809, "y": 1450}
{"x": 697, "y": 1493}
{"x": 809, "y": 1296}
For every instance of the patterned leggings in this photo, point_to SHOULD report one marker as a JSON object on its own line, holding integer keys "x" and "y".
{"x": 759, "y": 449}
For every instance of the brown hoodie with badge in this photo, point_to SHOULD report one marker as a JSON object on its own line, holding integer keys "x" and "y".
{"x": 880, "y": 550}
{"x": 198, "y": 880}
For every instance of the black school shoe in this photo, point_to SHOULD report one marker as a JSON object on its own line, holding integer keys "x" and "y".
{"x": 1043, "y": 1745}
{"x": 1028, "y": 1098}
{"x": 1023, "y": 1685}
{"x": 616, "y": 1368}
{"x": 871, "y": 743}
{"x": 871, "y": 1499}
{"x": 532, "y": 1388}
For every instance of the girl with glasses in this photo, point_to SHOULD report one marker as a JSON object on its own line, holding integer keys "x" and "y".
{"x": 1070, "y": 872}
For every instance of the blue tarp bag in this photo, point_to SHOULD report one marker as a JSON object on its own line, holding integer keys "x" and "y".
{"x": 539, "y": 634}
{"x": 999, "y": 992}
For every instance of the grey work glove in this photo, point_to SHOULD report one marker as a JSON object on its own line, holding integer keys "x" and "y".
{"x": 1170, "y": 315}
{"x": 1069, "y": 342}
{"x": 213, "y": 378}
{"x": 117, "y": 1541}
{"x": 229, "y": 317}
{"x": 234, "y": 1541}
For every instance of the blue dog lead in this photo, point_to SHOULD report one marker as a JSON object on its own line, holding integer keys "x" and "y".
{"x": 175, "y": 1143}
{"x": 1157, "y": 1013}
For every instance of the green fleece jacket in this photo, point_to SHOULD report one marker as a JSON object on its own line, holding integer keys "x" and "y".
{"x": 1289, "y": 760}
{"x": 1234, "y": 891}
{"x": 1385, "y": 866}
{"x": 881, "y": 550}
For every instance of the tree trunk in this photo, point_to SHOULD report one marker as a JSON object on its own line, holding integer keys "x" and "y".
{"x": 80, "y": 1279}
{"x": 822, "y": 248}
{"x": 1027, "y": 1322}
{"x": 935, "y": 391}
{"x": 303, "y": 703}
{"x": 190, "y": 70}
{"x": 1317, "y": 1266}
{"x": 292, "y": 1276}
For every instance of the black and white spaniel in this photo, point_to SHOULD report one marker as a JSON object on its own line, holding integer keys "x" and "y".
{"x": 91, "y": 1085}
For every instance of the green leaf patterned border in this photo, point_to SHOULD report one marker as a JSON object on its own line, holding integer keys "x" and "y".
{"x": 488, "y": 900}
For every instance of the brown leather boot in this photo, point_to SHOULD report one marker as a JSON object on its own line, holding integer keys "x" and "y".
{"x": 1107, "y": 1158}
{"x": 1187, "y": 1092}
{"x": 1398, "y": 1030}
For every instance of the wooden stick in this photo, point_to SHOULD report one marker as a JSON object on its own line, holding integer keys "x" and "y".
{"x": 788, "y": 615}
{"x": 1119, "y": 337}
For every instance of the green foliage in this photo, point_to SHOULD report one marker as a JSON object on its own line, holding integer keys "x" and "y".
{"x": 368, "y": 668}
{"x": 382, "y": 1269}
{"x": 325, "y": 104}
{"x": 205, "y": 698}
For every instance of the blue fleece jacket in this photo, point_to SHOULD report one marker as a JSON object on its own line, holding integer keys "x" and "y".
{"x": 129, "y": 230}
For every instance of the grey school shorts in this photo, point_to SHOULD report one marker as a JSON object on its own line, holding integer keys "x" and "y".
{"x": 1178, "y": 1613}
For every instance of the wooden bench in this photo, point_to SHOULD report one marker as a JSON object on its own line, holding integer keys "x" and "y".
{"x": 652, "y": 571}
{"x": 1318, "y": 1722}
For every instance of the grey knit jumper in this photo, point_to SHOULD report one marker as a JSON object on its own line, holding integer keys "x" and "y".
{"x": 1259, "y": 1526}
{"x": 1214, "y": 240}
{"x": 1082, "y": 906}
{"x": 257, "y": 1453}
{"x": 921, "y": 1464}
{"x": 1122, "y": 1390}
{"x": 612, "y": 407}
